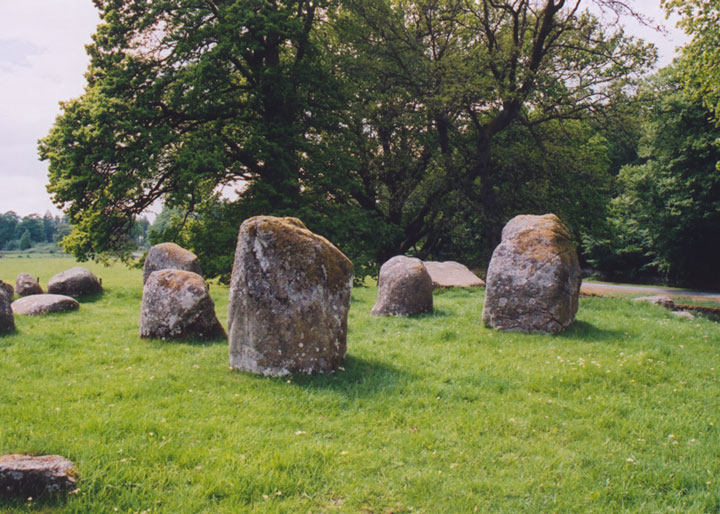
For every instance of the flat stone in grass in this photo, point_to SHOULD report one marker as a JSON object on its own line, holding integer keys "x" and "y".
{"x": 76, "y": 281}
{"x": 176, "y": 304}
{"x": 8, "y": 288}
{"x": 404, "y": 288}
{"x": 452, "y": 274}
{"x": 23, "y": 476}
{"x": 661, "y": 300}
{"x": 289, "y": 299}
{"x": 38, "y": 304}
{"x": 26, "y": 285}
{"x": 170, "y": 256}
{"x": 533, "y": 281}
{"x": 7, "y": 320}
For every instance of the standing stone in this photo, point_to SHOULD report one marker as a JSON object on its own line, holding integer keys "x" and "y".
{"x": 404, "y": 288}
{"x": 39, "y": 304}
{"x": 7, "y": 320}
{"x": 75, "y": 282}
{"x": 23, "y": 476}
{"x": 26, "y": 285}
{"x": 170, "y": 256}
{"x": 8, "y": 288}
{"x": 289, "y": 299}
{"x": 452, "y": 274}
{"x": 533, "y": 281}
{"x": 176, "y": 304}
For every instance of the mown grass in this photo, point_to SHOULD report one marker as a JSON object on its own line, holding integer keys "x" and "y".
{"x": 431, "y": 414}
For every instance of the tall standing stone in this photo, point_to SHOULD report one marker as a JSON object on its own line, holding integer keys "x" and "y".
{"x": 170, "y": 256}
{"x": 289, "y": 299}
{"x": 7, "y": 320}
{"x": 8, "y": 288}
{"x": 533, "y": 281}
{"x": 26, "y": 285}
{"x": 404, "y": 288}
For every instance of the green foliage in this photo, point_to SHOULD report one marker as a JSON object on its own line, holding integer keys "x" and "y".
{"x": 700, "y": 72}
{"x": 381, "y": 123}
{"x": 667, "y": 213}
{"x": 25, "y": 241}
{"x": 430, "y": 414}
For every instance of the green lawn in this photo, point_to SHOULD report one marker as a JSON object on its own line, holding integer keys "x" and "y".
{"x": 431, "y": 414}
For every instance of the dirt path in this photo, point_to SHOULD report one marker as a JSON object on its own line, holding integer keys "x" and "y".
{"x": 609, "y": 289}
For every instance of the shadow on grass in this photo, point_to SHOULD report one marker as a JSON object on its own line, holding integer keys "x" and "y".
{"x": 361, "y": 378}
{"x": 90, "y": 298}
{"x": 589, "y": 332}
{"x": 189, "y": 341}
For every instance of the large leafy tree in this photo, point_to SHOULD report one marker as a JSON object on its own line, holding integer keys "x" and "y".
{"x": 376, "y": 121}
{"x": 666, "y": 217}
{"x": 701, "y": 72}
{"x": 182, "y": 97}
{"x": 441, "y": 82}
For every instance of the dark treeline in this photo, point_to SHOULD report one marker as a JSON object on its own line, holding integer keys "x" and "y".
{"x": 18, "y": 233}
{"x": 388, "y": 126}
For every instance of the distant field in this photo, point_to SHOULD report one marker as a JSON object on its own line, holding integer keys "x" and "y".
{"x": 431, "y": 414}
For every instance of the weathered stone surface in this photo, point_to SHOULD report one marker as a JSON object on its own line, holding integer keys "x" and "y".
{"x": 404, "y": 288}
{"x": 661, "y": 300}
{"x": 7, "y": 320}
{"x": 451, "y": 274}
{"x": 176, "y": 304}
{"x": 26, "y": 285}
{"x": 76, "y": 281}
{"x": 8, "y": 288}
{"x": 533, "y": 281}
{"x": 43, "y": 304}
{"x": 23, "y": 476}
{"x": 289, "y": 299}
{"x": 170, "y": 256}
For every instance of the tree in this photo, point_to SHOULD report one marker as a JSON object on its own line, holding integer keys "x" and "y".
{"x": 25, "y": 241}
{"x": 701, "y": 73}
{"x": 374, "y": 121}
{"x": 8, "y": 226}
{"x": 441, "y": 82}
{"x": 666, "y": 216}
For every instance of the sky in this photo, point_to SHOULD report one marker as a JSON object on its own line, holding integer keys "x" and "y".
{"x": 43, "y": 60}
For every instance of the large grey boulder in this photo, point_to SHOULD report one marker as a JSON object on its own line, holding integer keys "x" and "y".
{"x": 23, "y": 476}
{"x": 404, "y": 288}
{"x": 176, "y": 304}
{"x": 38, "y": 304}
{"x": 8, "y": 288}
{"x": 76, "y": 281}
{"x": 170, "y": 256}
{"x": 7, "y": 320}
{"x": 289, "y": 299}
{"x": 452, "y": 274}
{"x": 27, "y": 285}
{"x": 533, "y": 281}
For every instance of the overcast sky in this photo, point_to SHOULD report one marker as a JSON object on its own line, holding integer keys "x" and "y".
{"x": 43, "y": 60}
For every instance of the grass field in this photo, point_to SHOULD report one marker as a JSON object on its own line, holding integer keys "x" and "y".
{"x": 432, "y": 414}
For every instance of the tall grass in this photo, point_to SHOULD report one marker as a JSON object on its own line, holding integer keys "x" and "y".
{"x": 430, "y": 414}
